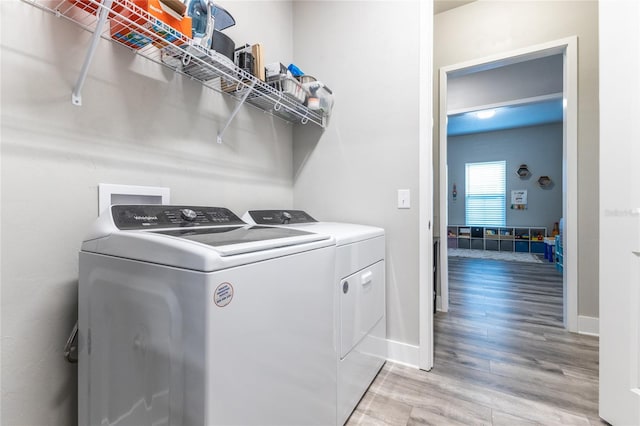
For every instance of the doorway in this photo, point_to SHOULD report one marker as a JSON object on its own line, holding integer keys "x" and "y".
{"x": 569, "y": 202}
{"x": 567, "y": 48}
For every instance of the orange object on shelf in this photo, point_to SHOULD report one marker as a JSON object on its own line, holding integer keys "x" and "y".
{"x": 137, "y": 29}
{"x": 92, "y": 6}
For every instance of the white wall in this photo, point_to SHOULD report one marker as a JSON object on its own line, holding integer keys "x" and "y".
{"x": 539, "y": 147}
{"x": 367, "y": 53}
{"x": 488, "y": 27}
{"x": 139, "y": 124}
{"x": 619, "y": 212}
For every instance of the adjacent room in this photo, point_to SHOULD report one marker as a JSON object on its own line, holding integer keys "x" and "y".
{"x": 505, "y": 138}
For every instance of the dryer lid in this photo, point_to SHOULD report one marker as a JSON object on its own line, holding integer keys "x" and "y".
{"x": 280, "y": 217}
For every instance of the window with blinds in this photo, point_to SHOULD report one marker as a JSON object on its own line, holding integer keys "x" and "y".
{"x": 485, "y": 193}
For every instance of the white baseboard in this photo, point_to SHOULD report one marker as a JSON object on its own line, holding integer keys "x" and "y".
{"x": 403, "y": 353}
{"x": 588, "y": 325}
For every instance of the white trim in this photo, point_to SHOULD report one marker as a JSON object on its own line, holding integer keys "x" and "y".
{"x": 106, "y": 191}
{"x": 570, "y": 185}
{"x": 439, "y": 303}
{"x": 444, "y": 185}
{"x": 523, "y": 101}
{"x": 509, "y": 58}
{"x": 425, "y": 209}
{"x": 589, "y": 325}
{"x": 403, "y": 353}
{"x": 569, "y": 48}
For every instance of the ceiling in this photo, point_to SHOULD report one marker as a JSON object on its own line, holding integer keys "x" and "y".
{"x": 522, "y": 94}
{"x": 507, "y": 117}
{"x": 440, "y": 6}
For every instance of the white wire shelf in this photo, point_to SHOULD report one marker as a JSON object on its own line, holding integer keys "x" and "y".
{"x": 162, "y": 44}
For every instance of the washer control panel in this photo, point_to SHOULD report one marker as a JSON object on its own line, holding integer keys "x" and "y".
{"x": 158, "y": 216}
{"x": 280, "y": 217}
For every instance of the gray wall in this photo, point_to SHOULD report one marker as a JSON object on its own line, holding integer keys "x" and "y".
{"x": 139, "y": 124}
{"x": 536, "y": 77}
{"x": 539, "y": 147}
{"x": 366, "y": 52}
{"x": 485, "y": 28}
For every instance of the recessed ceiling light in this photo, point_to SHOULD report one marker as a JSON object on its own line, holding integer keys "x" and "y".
{"x": 487, "y": 113}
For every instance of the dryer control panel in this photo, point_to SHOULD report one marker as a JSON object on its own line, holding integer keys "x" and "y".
{"x": 280, "y": 217}
{"x": 159, "y": 216}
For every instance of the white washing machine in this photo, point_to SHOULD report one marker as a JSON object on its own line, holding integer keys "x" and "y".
{"x": 359, "y": 287}
{"x": 188, "y": 316}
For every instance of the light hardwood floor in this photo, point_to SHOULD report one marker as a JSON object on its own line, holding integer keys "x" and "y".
{"x": 502, "y": 357}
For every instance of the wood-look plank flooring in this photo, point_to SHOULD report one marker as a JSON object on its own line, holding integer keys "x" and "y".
{"x": 502, "y": 357}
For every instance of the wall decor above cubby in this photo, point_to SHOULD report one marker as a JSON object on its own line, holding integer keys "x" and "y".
{"x": 523, "y": 171}
{"x": 544, "y": 181}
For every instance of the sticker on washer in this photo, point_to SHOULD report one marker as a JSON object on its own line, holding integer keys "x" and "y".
{"x": 223, "y": 294}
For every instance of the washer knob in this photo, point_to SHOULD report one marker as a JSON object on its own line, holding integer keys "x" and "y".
{"x": 188, "y": 214}
{"x": 285, "y": 217}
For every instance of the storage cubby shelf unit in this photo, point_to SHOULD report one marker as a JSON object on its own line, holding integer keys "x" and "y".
{"x": 559, "y": 252}
{"x": 176, "y": 51}
{"x": 508, "y": 238}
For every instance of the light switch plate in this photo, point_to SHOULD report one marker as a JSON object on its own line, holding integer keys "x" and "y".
{"x": 404, "y": 199}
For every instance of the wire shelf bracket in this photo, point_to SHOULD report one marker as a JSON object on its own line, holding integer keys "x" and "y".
{"x": 76, "y": 95}
{"x": 236, "y": 110}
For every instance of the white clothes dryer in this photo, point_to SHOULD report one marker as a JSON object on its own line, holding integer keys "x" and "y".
{"x": 359, "y": 288}
{"x": 189, "y": 316}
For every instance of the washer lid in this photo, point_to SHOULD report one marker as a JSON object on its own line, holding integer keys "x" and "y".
{"x": 233, "y": 240}
{"x": 193, "y": 237}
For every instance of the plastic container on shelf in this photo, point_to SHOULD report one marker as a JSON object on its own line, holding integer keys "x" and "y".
{"x": 320, "y": 96}
{"x": 290, "y": 87}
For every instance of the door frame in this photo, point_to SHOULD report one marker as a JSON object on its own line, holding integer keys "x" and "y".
{"x": 568, "y": 47}
{"x": 426, "y": 285}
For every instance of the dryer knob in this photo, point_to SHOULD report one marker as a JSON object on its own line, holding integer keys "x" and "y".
{"x": 285, "y": 217}
{"x": 188, "y": 214}
{"x": 345, "y": 287}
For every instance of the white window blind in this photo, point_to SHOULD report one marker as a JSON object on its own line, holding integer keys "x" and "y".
{"x": 485, "y": 193}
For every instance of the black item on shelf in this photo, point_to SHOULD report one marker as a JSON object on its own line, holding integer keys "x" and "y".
{"x": 223, "y": 44}
{"x": 245, "y": 62}
{"x": 477, "y": 232}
